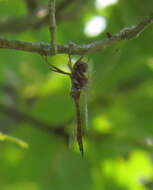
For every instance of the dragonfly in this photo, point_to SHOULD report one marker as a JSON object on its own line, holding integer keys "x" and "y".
{"x": 79, "y": 79}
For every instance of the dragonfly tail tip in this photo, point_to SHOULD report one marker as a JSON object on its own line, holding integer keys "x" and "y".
{"x": 82, "y": 152}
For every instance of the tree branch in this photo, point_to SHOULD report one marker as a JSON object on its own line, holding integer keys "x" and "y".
{"x": 43, "y": 48}
{"x": 62, "y": 133}
{"x": 23, "y": 117}
{"x": 34, "y": 21}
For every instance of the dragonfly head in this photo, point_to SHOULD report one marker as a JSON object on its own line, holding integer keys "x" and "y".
{"x": 81, "y": 67}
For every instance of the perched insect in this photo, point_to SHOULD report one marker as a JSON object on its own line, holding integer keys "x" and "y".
{"x": 79, "y": 79}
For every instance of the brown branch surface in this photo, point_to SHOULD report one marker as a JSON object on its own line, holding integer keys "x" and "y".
{"x": 46, "y": 49}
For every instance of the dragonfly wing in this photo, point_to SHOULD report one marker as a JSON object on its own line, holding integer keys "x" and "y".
{"x": 85, "y": 110}
{"x": 72, "y": 136}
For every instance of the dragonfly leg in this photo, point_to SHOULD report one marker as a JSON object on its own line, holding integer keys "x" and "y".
{"x": 70, "y": 63}
{"x": 80, "y": 58}
{"x": 54, "y": 68}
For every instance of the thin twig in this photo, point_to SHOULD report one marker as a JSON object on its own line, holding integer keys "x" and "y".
{"x": 52, "y": 25}
{"x": 45, "y": 49}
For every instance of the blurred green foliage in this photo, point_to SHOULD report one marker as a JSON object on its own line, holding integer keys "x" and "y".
{"x": 119, "y": 148}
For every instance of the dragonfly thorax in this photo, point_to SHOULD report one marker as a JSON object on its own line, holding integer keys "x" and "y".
{"x": 79, "y": 78}
{"x": 80, "y": 66}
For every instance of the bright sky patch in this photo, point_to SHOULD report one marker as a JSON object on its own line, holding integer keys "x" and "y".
{"x": 95, "y": 26}
{"x": 104, "y": 3}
